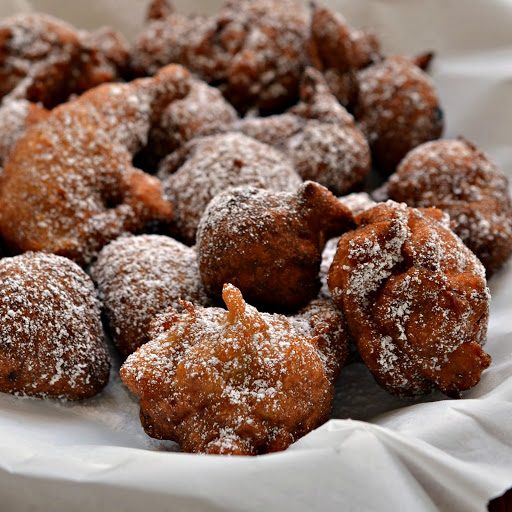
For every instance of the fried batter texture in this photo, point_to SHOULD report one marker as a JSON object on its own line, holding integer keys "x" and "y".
{"x": 45, "y": 60}
{"x": 139, "y": 277}
{"x": 339, "y": 51}
{"x": 51, "y": 337}
{"x": 203, "y": 111}
{"x": 269, "y": 244}
{"x": 251, "y": 49}
{"x": 415, "y": 299}
{"x": 207, "y": 166}
{"x": 397, "y": 109}
{"x": 69, "y": 186}
{"x": 456, "y": 177}
{"x": 318, "y": 135}
{"x": 235, "y": 382}
{"x": 15, "y": 118}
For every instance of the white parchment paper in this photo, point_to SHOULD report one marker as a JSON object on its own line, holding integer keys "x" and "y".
{"x": 378, "y": 452}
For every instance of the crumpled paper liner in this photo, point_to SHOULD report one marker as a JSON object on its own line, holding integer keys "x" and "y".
{"x": 423, "y": 455}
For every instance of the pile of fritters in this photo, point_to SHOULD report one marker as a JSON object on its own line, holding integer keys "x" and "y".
{"x": 209, "y": 180}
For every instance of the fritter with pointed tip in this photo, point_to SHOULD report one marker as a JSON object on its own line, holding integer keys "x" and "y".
{"x": 318, "y": 135}
{"x": 269, "y": 244}
{"x": 235, "y": 382}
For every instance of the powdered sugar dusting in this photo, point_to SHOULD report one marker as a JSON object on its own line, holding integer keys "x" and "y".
{"x": 393, "y": 279}
{"x": 454, "y": 176}
{"x": 248, "y": 381}
{"x": 253, "y": 50}
{"x": 46, "y": 60}
{"x": 217, "y": 162}
{"x": 140, "y": 277}
{"x": 70, "y": 187}
{"x": 51, "y": 338}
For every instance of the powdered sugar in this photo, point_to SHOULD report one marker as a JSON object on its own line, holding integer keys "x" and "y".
{"x": 253, "y": 50}
{"x": 70, "y": 186}
{"x": 237, "y": 374}
{"x": 51, "y": 341}
{"x": 138, "y": 278}
{"x": 393, "y": 276}
{"x": 217, "y": 162}
{"x": 454, "y": 176}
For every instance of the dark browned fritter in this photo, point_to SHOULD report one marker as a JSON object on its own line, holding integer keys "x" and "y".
{"x": 269, "y": 244}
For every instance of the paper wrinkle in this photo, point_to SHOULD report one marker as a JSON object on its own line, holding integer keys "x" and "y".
{"x": 420, "y": 455}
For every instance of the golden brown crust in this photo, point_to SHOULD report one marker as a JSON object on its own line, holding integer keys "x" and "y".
{"x": 51, "y": 338}
{"x": 269, "y": 244}
{"x": 15, "y": 118}
{"x": 318, "y": 135}
{"x": 203, "y": 111}
{"x": 415, "y": 299}
{"x": 454, "y": 176}
{"x": 338, "y": 51}
{"x": 234, "y": 382}
{"x": 206, "y": 166}
{"x": 69, "y": 186}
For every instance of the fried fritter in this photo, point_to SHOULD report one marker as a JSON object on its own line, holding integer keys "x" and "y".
{"x": 415, "y": 299}
{"x": 397, "y": 108}
{"x": 454, "y": 176}
{"x": 203, "y": 111}
{"x": 209, "y": 165}
{"x": 51, "y": 337}
{"x": 139, "y": 277}
{"x": 253, "y": 50}
{"x": 69, "y": 186}
{"x": 339, "y": 51}
{"x": 45, "y": 60}
{"x": 318, "y": 135}
{"x": 269, "y": 244}
{"x": 235, "y": 382}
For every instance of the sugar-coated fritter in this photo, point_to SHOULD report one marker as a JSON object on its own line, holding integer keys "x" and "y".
{"x": 139, "y": 277}
{"x": 269, "y": 244}
{"x": 51, "y": 337}
{"x": 415, "y": 299}
{"x": 322, "y": 318}
{"x": 69, "y": 186}
{"x": 397, "y": 108}
{"x": 234, "y": 382}
{"x": 456, "y": 177}
{"x": 43, "y": 59}
{"x": 318, "y": 135}
{"x": 209, "y": 165}
{"x": 357, "y": 203}
{"x": 253, "y": 50}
